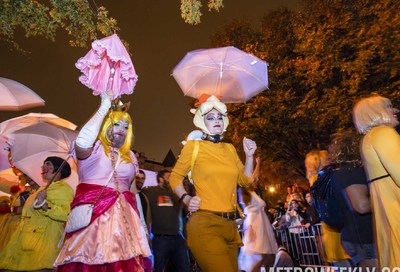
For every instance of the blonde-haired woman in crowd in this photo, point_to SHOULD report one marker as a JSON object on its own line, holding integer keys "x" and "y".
{"x": 380, "y": 150}
{"x": 312, "y": 163}
{"x": 333, "y": 249}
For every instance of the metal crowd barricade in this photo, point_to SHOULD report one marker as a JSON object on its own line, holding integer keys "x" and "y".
{"x": 305, "y": 244}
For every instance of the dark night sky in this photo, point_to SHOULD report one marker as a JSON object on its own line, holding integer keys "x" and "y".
{"x": 158, "y": 39}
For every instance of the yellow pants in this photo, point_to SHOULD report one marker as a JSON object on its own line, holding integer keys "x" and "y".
{"x": 214, "y": 242}
{"x": 334, "y": 250}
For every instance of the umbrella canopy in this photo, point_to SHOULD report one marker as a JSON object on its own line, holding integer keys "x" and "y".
{"x": 4, "y": 163}
{"x": 228, "y": 73}
{"x": 9, "y": 126}
{"x": 33, "y": 144}
{"x": 108, "y": 66}
{"x": 15, "y": 96}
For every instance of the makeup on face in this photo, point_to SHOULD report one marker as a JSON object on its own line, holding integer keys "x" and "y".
{"x": 47, "y": 171}
{"x": 117, "y": 133}
{"x": 214, "y": 122}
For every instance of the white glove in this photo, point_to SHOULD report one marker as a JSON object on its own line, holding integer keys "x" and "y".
{"x": 88, "y": 134}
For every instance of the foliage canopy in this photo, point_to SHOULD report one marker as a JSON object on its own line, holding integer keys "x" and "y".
{"x": 191, "y": 9}
{"x": 322, "y": 59}
{"x": 78, "y": 18}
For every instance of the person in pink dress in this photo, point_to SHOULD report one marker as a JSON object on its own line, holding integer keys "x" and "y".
{"x": 115, "y": 239}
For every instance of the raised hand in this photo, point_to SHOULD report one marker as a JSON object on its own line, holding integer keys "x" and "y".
{"x": 249, "y": 146}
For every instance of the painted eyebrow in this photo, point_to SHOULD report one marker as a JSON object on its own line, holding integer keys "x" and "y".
{"x": 121, "y": 122}
{"x": 213, "y": 114}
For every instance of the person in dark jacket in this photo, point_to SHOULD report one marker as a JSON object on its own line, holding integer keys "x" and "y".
{"x": 352, "y": 194}
{"x": 310, "y": 211}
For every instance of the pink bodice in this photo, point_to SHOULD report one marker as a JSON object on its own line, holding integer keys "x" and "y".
{"x": 97, "y": 169}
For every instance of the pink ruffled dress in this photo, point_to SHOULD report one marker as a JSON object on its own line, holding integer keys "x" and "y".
{"x": 115, "y": 240}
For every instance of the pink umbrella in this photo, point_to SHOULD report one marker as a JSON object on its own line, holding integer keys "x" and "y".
{"x": 15, "y": 96}
{"x": 108, "y": 66}
{"x": 4, "y": 147}
{"x": 230, "y": 74}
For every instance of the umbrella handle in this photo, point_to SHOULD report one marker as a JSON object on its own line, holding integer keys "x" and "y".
{"x": 38, "y": 206}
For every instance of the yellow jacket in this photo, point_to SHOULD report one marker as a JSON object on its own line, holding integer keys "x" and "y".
{"x": 33, "y": 245}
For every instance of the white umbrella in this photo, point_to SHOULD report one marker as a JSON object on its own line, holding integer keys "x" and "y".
{"x": 9, "y": 126}
{"x": 230, "y": 74}
{"x": 15, "y": 96}
{"x": 151, "y": 178}
{"x": 33, "y": 144}
{"x": 4, "y": 164}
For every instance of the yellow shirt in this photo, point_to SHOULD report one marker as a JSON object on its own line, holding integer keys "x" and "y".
{"x": 217, "y": 172}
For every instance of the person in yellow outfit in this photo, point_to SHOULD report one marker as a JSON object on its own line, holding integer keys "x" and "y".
{"x": 380, "y": 151}
{"x": 212, "y": 234}
{"x": 34, "y": 245}
{"x": 4, "y": 211}
{"x": 12, "y": 219}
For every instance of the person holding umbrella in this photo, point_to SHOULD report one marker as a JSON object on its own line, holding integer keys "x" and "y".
{"x": 115, "y": 239}
{"x": 33, "y": 246}
{"x": 216, "y": 169}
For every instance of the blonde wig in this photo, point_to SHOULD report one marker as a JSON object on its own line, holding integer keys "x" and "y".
{"x": 325, "y": 158}
{"x": 315, "y": 160}
{"x": 312, "y": 163}
{"x": 112, "y": 118}
{"x": 211, "y": 103}
{"x": 371, "y": 112}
